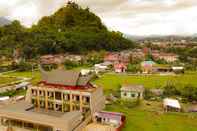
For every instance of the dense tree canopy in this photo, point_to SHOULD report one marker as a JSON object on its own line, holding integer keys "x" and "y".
{"x": 70, "y": 29}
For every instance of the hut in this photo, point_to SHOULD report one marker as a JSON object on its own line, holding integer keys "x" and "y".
{"x": 171, "y": 105}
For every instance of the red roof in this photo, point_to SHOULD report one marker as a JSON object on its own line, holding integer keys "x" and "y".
{"x": 112, "y": 57}
{"x": 120, "y": 66}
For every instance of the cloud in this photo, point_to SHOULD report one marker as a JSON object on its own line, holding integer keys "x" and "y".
{"x": 136, "y": 17}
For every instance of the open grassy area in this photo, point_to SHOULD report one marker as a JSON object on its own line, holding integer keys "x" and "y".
{"x": 144, "y": 118}
{"x": 6, "y": 80}
{"x": 113, "y": 81}
{"x": 35, "y": 76}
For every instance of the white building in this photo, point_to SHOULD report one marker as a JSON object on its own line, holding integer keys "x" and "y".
{"x": 132, "y": 91}
{"x": 171, "y": 105}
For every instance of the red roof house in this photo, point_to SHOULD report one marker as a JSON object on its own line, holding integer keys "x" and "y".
{"x": 120, "y": 67}
{"x": 112, "y": 57}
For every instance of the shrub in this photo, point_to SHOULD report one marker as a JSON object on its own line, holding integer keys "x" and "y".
{"x": 189, "y": 92}
{"x": 71, "y": 64}
{"x": 148, "y": 94}
{"x": 170, "y": 90}
{"x": 24, "y": 66}
{"x": 129, "y": 103}
{"x": 133, "y": 68}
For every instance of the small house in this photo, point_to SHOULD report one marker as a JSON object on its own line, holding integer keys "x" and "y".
{"x": 52, "y": 59}
{"x": 120, "y": 67}
{"x": 102, "y": 67}
{"x": 178, "y": 69}
{"x": 171, "y": 105}
{"x": 112, "y": 57}
{"x": 113, "y": 119}
{"x": 148, "y": 67}
{"x": 132, "y": 91}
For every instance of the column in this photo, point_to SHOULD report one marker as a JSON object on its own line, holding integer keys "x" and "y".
{"x": 54, "y": 104}
{"x": 62, "y": 97}
{"x": 46, "y": 100}
{"x": 81, "y": 102}
{"x": 71, "y": 105}
{"x": 38, "y": 99}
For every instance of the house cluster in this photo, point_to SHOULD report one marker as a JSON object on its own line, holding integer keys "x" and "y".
{"x": 59, "y": 58}
{"x": 61, "y": 101}
{"x": 118, "y": 60}
{"x": 168, "y": 57}
{"x": 150, "y": 67}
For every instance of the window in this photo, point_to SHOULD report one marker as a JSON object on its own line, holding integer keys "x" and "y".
{"x": 58, "y": 95}
{"x": 77, "y": 98}
{"x": 132, "y": 95}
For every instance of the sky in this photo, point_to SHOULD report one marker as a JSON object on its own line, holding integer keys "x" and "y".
{"x": 133, "y": 17}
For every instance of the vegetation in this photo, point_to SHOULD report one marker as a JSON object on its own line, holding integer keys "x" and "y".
{"x": 6, "y": 80}
{"x": 113, "y": 81}
{"x": 137, "y": 114}
{"x": 149, "y": 117}
{"x": 70, "y": 29}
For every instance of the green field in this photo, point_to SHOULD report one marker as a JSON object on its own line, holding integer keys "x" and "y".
{"x": 114, "y": 81}
{"x": 35, "y": 76}
{"x": 6, "y": 80}
{"x": 147, "y": 118}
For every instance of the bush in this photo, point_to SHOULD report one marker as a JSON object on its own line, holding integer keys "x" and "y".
{"x": 190, "y": 93}
{"x": 24, "y": 66}
{"x": 71, "y": 64}
{"x": 148, "y": 94}
{"x": 171, "y": 90}
{"x": 128, "y": 103}
{"x": 133, "y": 68}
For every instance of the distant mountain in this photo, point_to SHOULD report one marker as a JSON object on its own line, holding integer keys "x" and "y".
{"x": 4, "y": 21}
{"x": 162, "y": 38}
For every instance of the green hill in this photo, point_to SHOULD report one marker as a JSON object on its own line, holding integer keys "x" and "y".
{"x": 70, "y": 29}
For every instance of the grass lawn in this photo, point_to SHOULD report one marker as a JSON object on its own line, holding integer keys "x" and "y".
{"x": 6, "y": 80}
{"x": 143, "y": 118}
{"x": 36, "y": 75}
{"x": 113, "y": 81}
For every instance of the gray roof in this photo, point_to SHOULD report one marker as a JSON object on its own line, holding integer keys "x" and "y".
{"x": 134, "y": 88}
{"x": 20, "y": 111}
{"x": 63, "y": 77}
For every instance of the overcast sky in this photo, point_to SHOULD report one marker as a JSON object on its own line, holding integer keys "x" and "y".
{"x": 135, "y": 17}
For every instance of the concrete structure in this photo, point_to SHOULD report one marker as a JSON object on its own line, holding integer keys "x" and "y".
{"x": 132, "y": 91}
{"x": 106, "y": 121}
{"x": 113, "y": 119}
{"x": 62, "y": 101}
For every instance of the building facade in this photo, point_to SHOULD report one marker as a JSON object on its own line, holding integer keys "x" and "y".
{"x": 132, "y": 91}
{"x": 62, "y": 101}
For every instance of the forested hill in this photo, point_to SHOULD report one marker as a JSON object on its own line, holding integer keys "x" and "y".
{"x": 70, "y": 29}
